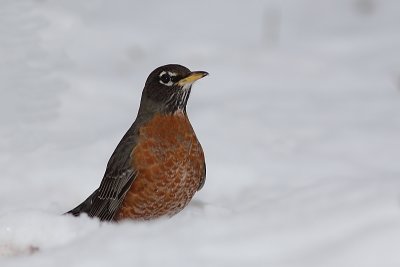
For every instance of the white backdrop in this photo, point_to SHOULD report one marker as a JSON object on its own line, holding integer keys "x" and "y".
{"x": 299, "y": 120}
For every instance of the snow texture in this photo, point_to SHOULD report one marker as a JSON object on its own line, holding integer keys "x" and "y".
{"x": 299, "y": 120}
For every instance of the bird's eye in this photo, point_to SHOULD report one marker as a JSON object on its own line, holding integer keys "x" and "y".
{"x": 165, "y": 78}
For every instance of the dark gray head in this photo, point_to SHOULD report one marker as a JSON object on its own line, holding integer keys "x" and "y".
{"x": 167, "y": 89}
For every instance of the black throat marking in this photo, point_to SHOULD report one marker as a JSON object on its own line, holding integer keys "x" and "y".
{"x": 178, "y": 100}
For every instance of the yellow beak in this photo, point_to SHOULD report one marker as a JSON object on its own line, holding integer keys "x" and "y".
{"x": 194, "y": 76}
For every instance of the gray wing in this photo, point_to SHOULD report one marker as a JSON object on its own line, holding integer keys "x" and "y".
{"x": 109, "y": 196}
{"x": 118, "y": 178}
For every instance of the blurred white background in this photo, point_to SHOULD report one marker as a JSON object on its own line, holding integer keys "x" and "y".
{"x": 299, "y": 120}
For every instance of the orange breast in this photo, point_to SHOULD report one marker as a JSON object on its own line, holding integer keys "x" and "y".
{"x": 170, "y": 164}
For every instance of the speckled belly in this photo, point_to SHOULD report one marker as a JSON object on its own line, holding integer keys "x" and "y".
{"x": 169, "y": 162}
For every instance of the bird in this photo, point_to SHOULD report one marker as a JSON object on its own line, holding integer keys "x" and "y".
{"x": 159, "y": 164}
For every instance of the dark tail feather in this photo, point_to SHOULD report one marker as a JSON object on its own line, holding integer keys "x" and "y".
{"x": 84, "y": 207}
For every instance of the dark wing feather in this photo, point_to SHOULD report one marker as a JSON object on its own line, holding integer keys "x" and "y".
{"x": 110, "y": 195}
{"x": 118, "y": 178}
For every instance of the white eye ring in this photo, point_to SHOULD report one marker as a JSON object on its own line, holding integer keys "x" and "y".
{"x": 165, "y": 78}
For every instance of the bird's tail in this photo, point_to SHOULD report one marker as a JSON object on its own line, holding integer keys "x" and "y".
{"x": 84, "y": 207}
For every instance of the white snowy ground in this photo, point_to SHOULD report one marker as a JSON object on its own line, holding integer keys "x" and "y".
{"x": 299, "y": 119}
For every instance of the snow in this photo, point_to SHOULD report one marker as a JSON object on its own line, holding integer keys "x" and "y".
{"x": 299, "y": 119}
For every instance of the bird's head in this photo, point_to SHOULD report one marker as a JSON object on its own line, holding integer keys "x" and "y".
{"x": 167, "y": 88}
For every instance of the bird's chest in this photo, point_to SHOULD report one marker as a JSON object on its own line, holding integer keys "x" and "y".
{"x": 163, "y": 139}
{"x": 169, "y": 161}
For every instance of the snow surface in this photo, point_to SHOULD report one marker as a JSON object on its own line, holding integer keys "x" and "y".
{"x": 299, "y": 120}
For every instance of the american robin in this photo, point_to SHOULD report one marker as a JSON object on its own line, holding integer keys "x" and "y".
{"x": 159, "y": 164}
